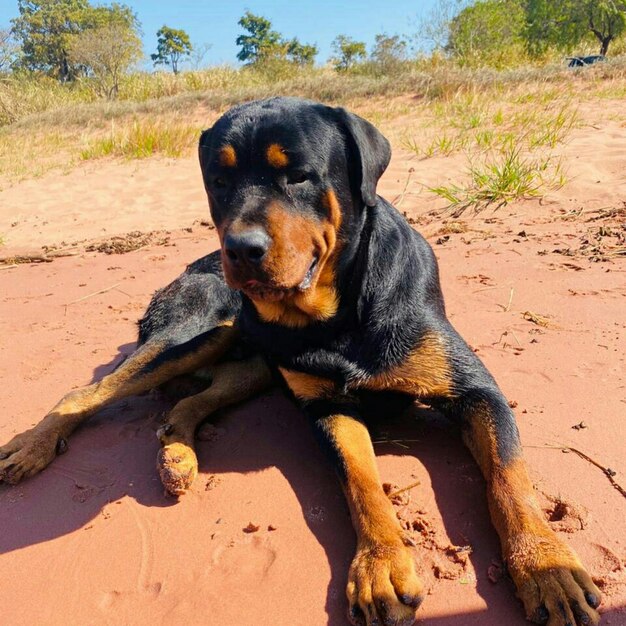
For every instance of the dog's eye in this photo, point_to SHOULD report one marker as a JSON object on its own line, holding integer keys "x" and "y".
{"x": 297, "y": 178}
{"x": 220, "y": 182}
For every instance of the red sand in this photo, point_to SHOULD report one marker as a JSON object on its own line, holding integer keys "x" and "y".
{"x": 94, "y": 540}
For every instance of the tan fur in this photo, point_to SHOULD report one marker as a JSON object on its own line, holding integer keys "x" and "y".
{"x": 276, "y": 156}
{"x": 307, "y": 387}
{"x": 227, "y": 156}
{"x": 426, "y": 372}
{"x": 232, "y": 382}
{"x": 382, "y": 572}
{"x": 545, "y": 570}
{"x": 295, "y": 239}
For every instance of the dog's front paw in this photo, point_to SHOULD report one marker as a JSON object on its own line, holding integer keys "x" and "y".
{"x": 552, "y": 583}
{"x": 28, "y": 453}
{"x": 177, "y": 462}
{"x": 383, "y": 588}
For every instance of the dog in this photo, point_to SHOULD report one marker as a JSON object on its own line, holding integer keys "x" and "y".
{"x": 321, "y": 284}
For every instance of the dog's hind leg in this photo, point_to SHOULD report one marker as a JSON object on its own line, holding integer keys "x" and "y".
{"x": 153, "y": 364}
{"x": 232, "y": 381}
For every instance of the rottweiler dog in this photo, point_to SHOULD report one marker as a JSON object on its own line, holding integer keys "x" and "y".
{"x": 322, "y": 283}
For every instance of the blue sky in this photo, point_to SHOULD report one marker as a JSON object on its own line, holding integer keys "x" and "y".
{"x": 312, "y": 21}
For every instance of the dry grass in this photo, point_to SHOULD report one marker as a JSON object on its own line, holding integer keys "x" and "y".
{"x": 479, "y": 112}
{"x": 144, "y": 138}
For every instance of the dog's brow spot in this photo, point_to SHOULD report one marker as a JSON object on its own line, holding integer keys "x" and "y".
{"x": 276, "y": 156}
{"x": 228, "y": 156}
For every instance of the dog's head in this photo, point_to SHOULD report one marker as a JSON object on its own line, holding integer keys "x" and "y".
{"x": 288, "y": 181}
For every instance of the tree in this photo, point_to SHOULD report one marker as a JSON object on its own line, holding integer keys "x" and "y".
{"x": 106, "y": 52}
{"x": 172, "y": 45}
{"x": 46, "y": 30}
{"x": 566, "y": 24}
{"x": 263, "y": 45}
{"x": 261, "y": 42}
{"x": 489, "y": 32}
{"x": 347, "y": 52}
{"x": 301, "y": 53}
{"x": 9, "y": 50}
{"x": 389, "y": 51}
{"x": 433, "y": 28}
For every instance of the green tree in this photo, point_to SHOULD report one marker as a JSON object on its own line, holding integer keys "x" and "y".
{"x": 47, "y": 29}
{"x": 172, "y": 45}
{"x": 260, "y": 42}
{"x": 565, "y": 24}
{"x": 489, "y": 32}
{"x": 301, "y": 53}
{"x": 44, "y": 29}
{"x": 106, "y": 52}
{"x": 347, "y": 52}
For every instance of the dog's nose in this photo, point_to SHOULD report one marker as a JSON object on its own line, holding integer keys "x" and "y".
{"x": 249, "y": 246}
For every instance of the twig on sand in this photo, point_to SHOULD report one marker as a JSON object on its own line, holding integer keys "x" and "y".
{"x": 507, "y": 308}
{"x": 399, "y": 491}
{"x": 46, "y": 257}
{"x": 399, "y": 442}
{"x": 607, "y": 471}
{"x": 91, "y": 295}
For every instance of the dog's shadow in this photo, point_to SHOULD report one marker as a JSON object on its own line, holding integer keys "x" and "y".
{"x": 114, "y": 457}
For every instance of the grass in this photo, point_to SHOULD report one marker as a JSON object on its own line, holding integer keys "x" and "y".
{"x": 142, "y": 139}
{"x": 498, "y": 181}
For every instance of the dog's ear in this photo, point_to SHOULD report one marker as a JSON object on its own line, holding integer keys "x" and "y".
{"x": 370, "y": 151}
{"x": 204, "y": 145}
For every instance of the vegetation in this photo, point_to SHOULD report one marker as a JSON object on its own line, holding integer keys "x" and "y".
{"x": 565, "y": 24}
{"x": 141, "y": 139}
{"x": 348, "y": 52}
{"x": 8, "y": 50}
{"x": 484, "y": 93}
{"x": 488, "y": 33}
{"x": 261, "y": 44}
{"x": 106, "y": 52}
{"x": 172, "y": 46}
{"x": 510, "y": 176}
{"x": 47, "y": 30}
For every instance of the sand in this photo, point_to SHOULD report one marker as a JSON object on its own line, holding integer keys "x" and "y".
{"x": 94, "y": 540}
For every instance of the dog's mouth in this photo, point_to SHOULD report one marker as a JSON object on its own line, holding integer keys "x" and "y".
{"x": 259, "y": 290}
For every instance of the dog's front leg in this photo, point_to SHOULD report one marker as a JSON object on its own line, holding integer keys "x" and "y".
{"x": 231, "y": 382}
{"x": 149, "y": 366}
{"x": 550, "y": 579}
{"x": 383, "y": 587}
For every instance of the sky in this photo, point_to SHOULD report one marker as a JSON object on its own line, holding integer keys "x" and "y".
{"x": 312, "y": 21}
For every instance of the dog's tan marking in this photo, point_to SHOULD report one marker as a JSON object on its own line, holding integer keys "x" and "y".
{"x": 545, "y": 570}
{"x": 426, "y": 371}
{"x": 295, "y": 240}
{"x": 227, "y": 156}
{"x": 382, "y": 574}
{"x": 276, "y": 156}
{"x": 306, "y": 386}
